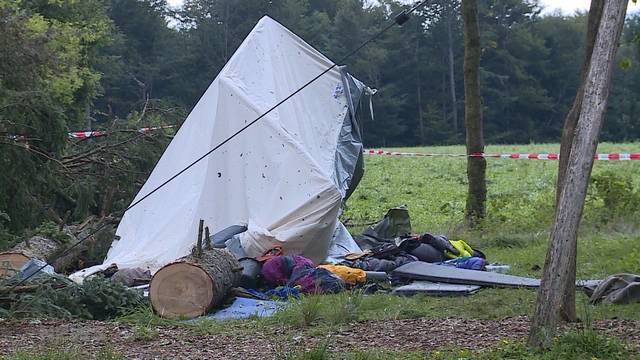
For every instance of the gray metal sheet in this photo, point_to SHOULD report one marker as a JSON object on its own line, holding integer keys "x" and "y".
{"x": 439, "y": 273}
{"x": 435, "y": 289}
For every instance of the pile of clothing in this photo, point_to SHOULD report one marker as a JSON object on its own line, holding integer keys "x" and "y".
{"x": 385, "y": 246}
{"x": 390, "y": 244}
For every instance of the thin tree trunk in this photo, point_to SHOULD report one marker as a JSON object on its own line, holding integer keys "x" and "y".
{"x": 226, "y": 32}
{"x": 452, "y": 80}
{"x": 476, "y": 166}
{"x": 574, "y": 185}
{"x": 444, "y": 99}
{"x": 420, "y": 120}
{"x": 419, "y": 86}
{"x": 87, "y": 114}
{"x": 568, "y": 311}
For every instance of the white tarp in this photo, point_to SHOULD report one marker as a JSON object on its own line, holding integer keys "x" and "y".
{"x": 277, "y": 177}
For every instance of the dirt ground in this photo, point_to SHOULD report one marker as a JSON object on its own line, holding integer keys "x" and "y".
{"x": 423, "y": 335}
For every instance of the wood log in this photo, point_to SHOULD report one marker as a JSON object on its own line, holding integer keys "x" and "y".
{"x": 38, "y": 247}
{"x": 192, "y": 286}
{"x": 53, "y": 252}
{"x": 11, "y": 262}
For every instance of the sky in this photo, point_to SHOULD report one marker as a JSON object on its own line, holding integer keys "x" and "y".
{"x": 567, "y": 7}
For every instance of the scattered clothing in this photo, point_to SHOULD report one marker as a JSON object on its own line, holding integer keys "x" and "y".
{"x": 277, "y": 270}
{"x": 468, "y": 262}
{"x": 298, "y": 271}
{"x": 462, "y": 249}
{"x": 440, "y": 242}
{"x": 349, "y": 275}
{"x": 428, "y": 253}
{"x": 316, "y": 281}
{"x": 284, "y": 292}
{"x": 617, "y": 289}
{"x": 375, "y": 264}
{"x": 248, "y": 293}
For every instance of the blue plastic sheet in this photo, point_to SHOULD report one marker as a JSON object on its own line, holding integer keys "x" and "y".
{"x": 243, "y": 308}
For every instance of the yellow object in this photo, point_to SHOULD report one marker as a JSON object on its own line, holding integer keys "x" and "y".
{"x": 349, "y": 275}
{"x": 464, "y": 250}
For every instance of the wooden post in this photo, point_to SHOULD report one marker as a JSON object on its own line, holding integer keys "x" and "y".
{"x": 207, "y": 240}
{"x": 199, "y": 243}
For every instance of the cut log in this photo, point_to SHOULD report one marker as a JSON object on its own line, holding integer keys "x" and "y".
{"x": 38, "y": 247}
{"x": 192, "y": 286}
{"x": 54, "y": 252}
{"x": 11, "y": 262}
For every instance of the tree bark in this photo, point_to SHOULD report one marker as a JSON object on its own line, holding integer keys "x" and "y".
{"x": 452, "y": 80}
{"x": 476, "y": 166}
{"x": 193, "y": 285}
{"x": 419, "y": 84}
{"x": 568, "y": 310}
{"x": 574, "y": 185}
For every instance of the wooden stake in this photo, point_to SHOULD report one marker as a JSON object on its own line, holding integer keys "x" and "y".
{"x": 207, "y": 240}
{"x": 199, "y": 243}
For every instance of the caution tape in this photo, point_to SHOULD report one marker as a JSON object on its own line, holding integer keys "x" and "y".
{"x": 92, "y": 134}
{"x": 525, "y": 156}
{"x": 98, "y": 133}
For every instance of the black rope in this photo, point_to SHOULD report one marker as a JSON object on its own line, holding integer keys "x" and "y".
{"x": 399, "y": 19}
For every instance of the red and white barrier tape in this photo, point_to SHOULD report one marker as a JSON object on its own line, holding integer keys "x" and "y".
{"x": 98, "y": 133}
{"x": 528, "y": 156}
{"x": 92, "y": 134}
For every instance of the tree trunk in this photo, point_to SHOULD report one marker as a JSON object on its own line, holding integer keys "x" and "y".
{"x": 87, "y": 114}
{"x": 476, "y": 166}
{"x": 574, "y": 185}
{"x": 419, "y": 85}
{"x": 568, "y": 310}
{"x": 452, "y": 80}
{"x": 193, "y": 285}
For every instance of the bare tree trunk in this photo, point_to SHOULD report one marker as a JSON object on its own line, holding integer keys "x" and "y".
{"x": 476, "y": 166}
{"x": 87, "y": 114}
{"x": 574, "y": 185}
{"x": 568, "y": 310}
{"x": 226, "y": 32}
{"x": 444, "y": 100}
{"x": 419, "y": 85}
{"x": 452, "y": 80}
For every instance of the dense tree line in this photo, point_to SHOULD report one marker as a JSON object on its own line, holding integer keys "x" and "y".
{"x": 123, "y": 64}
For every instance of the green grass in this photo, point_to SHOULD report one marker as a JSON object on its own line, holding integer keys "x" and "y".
{"x": 519, "y": 205}
{"x": 520, "y": 192}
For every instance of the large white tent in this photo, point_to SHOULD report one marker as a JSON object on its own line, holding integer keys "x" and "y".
{"x": 284, "y": 177}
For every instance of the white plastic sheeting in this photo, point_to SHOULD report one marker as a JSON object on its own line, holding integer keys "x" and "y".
{"x": 278, "y": 176}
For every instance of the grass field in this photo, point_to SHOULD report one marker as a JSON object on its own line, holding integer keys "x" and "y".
{"x": 519, "y": 205}
{"x": 515, "y": 232}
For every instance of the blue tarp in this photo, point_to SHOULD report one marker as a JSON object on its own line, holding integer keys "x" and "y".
{"x": 243, "y": 308}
